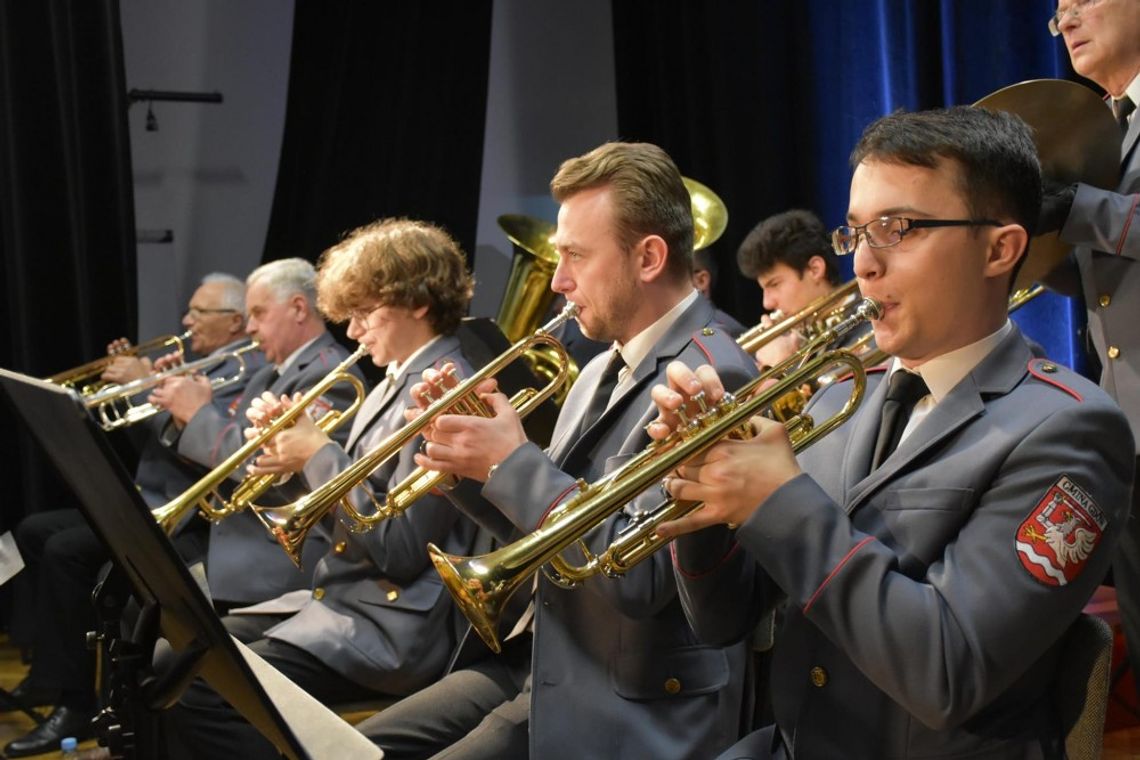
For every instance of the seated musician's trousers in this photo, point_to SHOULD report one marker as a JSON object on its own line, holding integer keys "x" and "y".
{"x": 477, "y": 713}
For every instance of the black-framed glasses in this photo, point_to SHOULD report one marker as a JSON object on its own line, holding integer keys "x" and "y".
{"x": 887, "y": 231}
{"x": 195, "y": 313}
{"x": 1075, "y": 10}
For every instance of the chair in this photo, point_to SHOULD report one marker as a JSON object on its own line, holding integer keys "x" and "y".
{"x": 1080, "y": 689}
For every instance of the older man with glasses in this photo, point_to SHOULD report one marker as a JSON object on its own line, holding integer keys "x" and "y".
{"x": 1103, "y": 41}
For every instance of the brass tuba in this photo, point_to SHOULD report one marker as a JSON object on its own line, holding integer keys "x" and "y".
{"x": 482, "y": 585}
{"x": 204, "y": 497}
{"x": 114, "y": 405}
{"x": 84, "y": 379}
{"x": 290, "y": 524}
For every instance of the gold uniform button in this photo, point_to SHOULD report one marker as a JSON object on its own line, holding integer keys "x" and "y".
{"x": 672, "y": 686}
{"x": 1104, "y": 300}
{"x": 318, "y": 593}
{"x": 1049, "y": 367}
{"x": 340, "y": 547}
{"x": 1113, "y": 352}
{"x": 393, "y": 595}
{"x": 818, "y": 677}
{"x": 708, "y": 331}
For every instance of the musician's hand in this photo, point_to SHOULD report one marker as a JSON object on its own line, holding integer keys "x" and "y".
{"x": 118, "y": 346}
{"x": 182, "y": 396}
{"x": 1056, "y": 203}
{"x": 434, "y": 384}
{"x": 684, "y": 385}
{"x": 264, "y": 408}
{"x": 124, "y": 369}
{"x": 168, "y": 361}
{"x": 291, "y": 448}
{"x": 733, "y": 478}
{"x": 780, "y": 348}
{"x": 468, "y": 445}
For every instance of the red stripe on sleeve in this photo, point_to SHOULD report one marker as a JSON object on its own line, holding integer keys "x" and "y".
{"x": 1127, "y": 224}
{"x": 835, "y": 572}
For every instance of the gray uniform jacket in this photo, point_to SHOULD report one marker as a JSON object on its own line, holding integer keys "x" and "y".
{"x": 617, "y": 672}
{"x": 379, "y": 614}
{"x": 1105, "y": 227}
{"x": 162, "y": 474}
{"x": 245, "y": 564}
{"x": 926, "y": 598}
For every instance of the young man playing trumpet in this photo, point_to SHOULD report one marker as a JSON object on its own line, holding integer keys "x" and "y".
{"x": 377, "y": 621}
{"x": 935, "y": 549}
{"x": 790, "y": 258}
{"x": 612, "y": 668}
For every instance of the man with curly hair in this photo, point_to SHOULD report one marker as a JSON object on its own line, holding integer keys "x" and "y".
{"x": 376, "y": 620}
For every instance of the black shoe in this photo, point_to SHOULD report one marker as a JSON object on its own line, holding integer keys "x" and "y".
{"x": 28, "y": 694}
{"x": 63, "y": 722}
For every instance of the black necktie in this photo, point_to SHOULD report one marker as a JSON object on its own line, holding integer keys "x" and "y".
{"x": 1120, "y": 109}
{"x": 601, "y": 397}
{"x": 904, "y": 391}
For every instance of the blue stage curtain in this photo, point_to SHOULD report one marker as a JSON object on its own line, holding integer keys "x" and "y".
{"x": 764, "y": 101}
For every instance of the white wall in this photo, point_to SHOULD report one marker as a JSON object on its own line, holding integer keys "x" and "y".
{"x": 551, "y": 96}
{"x": 209, "y": 172}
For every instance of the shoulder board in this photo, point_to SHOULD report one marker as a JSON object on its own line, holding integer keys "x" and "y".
{"x": 1051, "y": 372}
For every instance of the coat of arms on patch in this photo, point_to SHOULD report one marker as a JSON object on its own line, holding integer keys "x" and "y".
{"x": 1057, "y": 538}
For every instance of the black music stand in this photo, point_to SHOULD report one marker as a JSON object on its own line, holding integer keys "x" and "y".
{"x": 172, "y": 602}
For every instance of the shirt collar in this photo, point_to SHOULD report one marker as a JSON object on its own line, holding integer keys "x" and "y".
{"x": 395, "y": 370}
{"x": 1133, "y": 93}
{"x": 639, "y": 346}
{"x": 292, "y": 358}
{"x": 943, "y": 372}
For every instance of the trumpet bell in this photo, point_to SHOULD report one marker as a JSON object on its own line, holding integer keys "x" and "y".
{"x": 479, "y": 594}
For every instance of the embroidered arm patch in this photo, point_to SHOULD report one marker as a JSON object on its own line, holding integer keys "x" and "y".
{"x": 1060, "y": 534}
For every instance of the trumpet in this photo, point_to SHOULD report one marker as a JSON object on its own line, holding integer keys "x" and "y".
{"x": 85, "y": 378}
{"x": 482, "y": 585}
{"x": 113, "y": 403}
{"x": 290, "y": 524}
{"x": 204, "y": 495}
{"x": 813, "y": 318}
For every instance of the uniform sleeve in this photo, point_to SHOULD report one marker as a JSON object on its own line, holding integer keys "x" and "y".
{"x": 1104, "y": 221}
{"x": 977, "y": 618}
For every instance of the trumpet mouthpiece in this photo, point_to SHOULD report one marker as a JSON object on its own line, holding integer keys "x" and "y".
{"x": 871, "y": 309}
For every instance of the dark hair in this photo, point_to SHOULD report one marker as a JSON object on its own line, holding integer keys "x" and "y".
{"x": 704, "y": 260}
{"x": 396, "y": 262}
{"x": 791, "y": 238}
{"x": 1000, "y": 175}
{"x": 649, "y": 195}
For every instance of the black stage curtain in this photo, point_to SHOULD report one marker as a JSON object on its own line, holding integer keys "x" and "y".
{"x": 66, "y": 210}
{"x": 385, "y": 117}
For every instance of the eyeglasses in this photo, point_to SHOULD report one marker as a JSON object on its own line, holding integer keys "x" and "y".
{"x": 887, "y": 231}
{"x": 362, "y": 314}
{"x": 195, "y": 313}
{"x": 1075, "y": 10}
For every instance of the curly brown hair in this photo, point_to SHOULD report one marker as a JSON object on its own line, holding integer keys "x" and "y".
{"x": 396, "y": 262}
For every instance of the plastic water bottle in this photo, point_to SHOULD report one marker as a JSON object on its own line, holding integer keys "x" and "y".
{"x": 68, "y": 748}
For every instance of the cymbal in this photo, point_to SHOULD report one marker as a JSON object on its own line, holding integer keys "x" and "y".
{"x": 535, "y": 236}
{"x": 710, "y": 216}
{"x": 1077, "y": 141}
